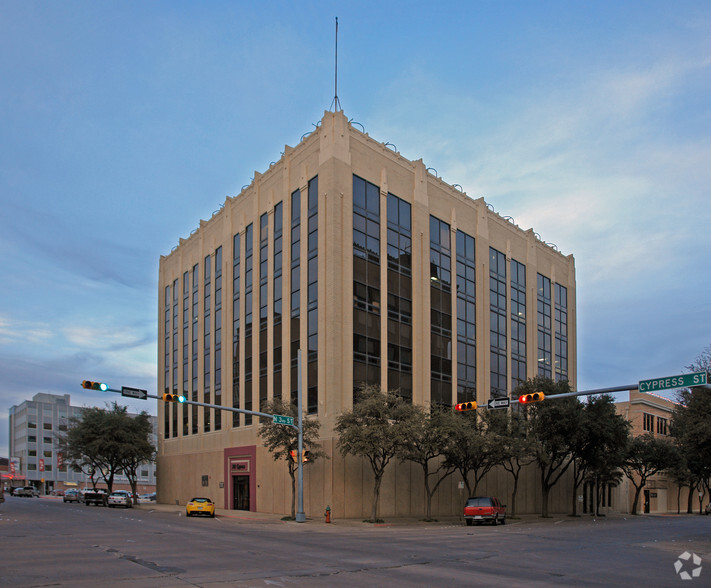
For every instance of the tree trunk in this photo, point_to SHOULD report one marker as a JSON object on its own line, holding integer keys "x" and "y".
{"x": 690, "y": 501}
{"x": 545, "y": 492}
{"x": 637, "y": 492}
{"x": 376, "y": 498}
{"x": 428, "y": 497}
{"x": 513, "y": 497}
{"x": 293, "y": 494}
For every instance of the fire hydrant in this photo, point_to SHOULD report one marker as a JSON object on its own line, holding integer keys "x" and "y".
{"x": 328, "y": 514}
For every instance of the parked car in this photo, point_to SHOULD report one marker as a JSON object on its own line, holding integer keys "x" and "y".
{"x": 147, "y": 497}
{"x": 96, "y": 497}
{"x": 708, "y": 509}
{"x": 120, "y": 498}
{"x": 27, "y": 491}
{"x": 71, "y": 495}
{"x": 200, "y": 506}
{"x": 484, "y": 508}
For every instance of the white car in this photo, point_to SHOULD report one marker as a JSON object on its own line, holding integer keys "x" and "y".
{"x": 120, "y": 498}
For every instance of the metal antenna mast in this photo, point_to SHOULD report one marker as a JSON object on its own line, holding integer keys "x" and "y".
{"x": 336, "y": 103}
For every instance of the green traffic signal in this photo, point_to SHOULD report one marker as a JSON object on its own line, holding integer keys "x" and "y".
{"x": 89, "y": 385}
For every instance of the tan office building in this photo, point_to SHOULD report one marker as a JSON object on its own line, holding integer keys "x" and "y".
{"x": 379, "y": 272}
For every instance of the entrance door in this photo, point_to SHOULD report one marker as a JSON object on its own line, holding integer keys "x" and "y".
{"x": 646, "y": 501}
{"x": 240, "y": 492}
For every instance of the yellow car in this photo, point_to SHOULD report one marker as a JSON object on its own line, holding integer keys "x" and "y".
{"x": 200, "y": 506}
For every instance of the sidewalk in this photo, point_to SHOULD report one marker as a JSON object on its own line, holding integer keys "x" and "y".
{"x": 240, "y": 516}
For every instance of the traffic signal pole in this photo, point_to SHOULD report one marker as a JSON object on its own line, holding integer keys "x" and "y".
{"x": 300, "y": 515}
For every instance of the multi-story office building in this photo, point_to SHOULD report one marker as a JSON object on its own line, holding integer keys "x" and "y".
{"x": 379, "y": 272}
{"x": 34, "y": 427}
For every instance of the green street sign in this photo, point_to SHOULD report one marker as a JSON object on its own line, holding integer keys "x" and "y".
{"x": 670, "y": 382}
{"x": 282, "y": 420}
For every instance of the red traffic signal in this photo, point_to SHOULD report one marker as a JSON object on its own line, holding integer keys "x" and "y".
{"x": 94, "y": 385}
{"x": 462, "y": 406}
{"x": 167, "y": 397}
{"x": 529, "y": 398}
{"x": 305, "y": 455}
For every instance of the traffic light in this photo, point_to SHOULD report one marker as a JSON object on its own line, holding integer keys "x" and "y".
{"x": 462, "y": 406}
{"x": 94, "y": 385}
{"x": 305, "y": 455}
{"x": 168, "y": 397}
{"x": 529, "y": 398}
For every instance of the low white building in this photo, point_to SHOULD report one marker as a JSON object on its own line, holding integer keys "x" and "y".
{"x": 35, "y": 459}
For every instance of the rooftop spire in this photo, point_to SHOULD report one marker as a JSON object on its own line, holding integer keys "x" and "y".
{"x": 336, "y": 104}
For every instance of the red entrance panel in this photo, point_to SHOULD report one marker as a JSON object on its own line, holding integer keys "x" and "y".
{"x": 240, "y": 492}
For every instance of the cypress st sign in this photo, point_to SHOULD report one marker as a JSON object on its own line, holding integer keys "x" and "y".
{"x": 671, "y": 382}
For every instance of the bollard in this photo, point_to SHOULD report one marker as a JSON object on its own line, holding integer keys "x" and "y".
{"x": 328, "y": 514}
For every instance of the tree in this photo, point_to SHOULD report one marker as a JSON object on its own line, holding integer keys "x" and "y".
{"x": 598, "y": 446}
{"x": 425, "y": 441}
{"x": 376, "y": 429}
{"x": 513, "y": 437}
{"x": 282, "y": 440}
{"x": 691, "y": 429}
{"x": 646, "y": 455}
{"x": 554, "y": 425}
{"x": 473, "y": 449}
{"x": 138, "y": 448}
{"x": 106, "y": 442}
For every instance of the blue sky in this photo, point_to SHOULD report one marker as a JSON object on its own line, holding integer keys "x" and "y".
{"x": 123, "y": 124}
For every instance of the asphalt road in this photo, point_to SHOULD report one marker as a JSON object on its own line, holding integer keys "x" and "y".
{"x": 44, "y": 542}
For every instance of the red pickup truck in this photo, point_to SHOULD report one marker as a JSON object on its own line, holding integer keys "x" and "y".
{"x": 484, "y": 508}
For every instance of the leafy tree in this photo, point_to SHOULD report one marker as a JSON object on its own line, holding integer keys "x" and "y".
{"x": 691, "y": 429}
{"x": 554, "y": 426}
{"x": 138, "y": 448}
{"x": 376, "y": 429}
{"x": 425, "y": 441}
{"x": 599, "y": 443}
{"x": 106, "y": 442}
{"x": 512, "y": 434}
{"x": 281, "y": 440}
{"x": 646, "y": 455}
{"x": 473, "y": 449}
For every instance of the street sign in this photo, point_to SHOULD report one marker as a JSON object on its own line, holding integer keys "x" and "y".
{"x": 282, "y": 420}
{"x": 670, "y": 382}
{"x": 498, "y": 403}
{"x": 134, "y": 393}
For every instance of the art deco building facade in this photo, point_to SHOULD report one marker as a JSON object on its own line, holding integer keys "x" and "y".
{"x": 379, "y": 272}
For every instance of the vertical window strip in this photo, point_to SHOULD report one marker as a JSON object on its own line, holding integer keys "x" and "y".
{"x": 466, "y": 318}
{"x": 263, "y": 307}
{"x": 166, "y": 361}
{"x": 518, "y": 323}
{"x": 186, "y": 348}
{"x": 544, "y": 326}
{"x": 440, "y": 313}
{"x": 248, "y": 308}
{"x": 174, "y": 408}
{"x": 207, "y": 357}
{"x": 218, "y": 338}
{"x": 295, "y": 299}
{"x": 236, "y": 252}
{"x": 312, "y": 299}
{"x": 277, "y": 295}
{"x": 498, "y": 314}
{"x": 195, "y": 347}
{"x": 561, "y": 332}
{"x": 399, "y": 288}
{"x": 366, "y": 283}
